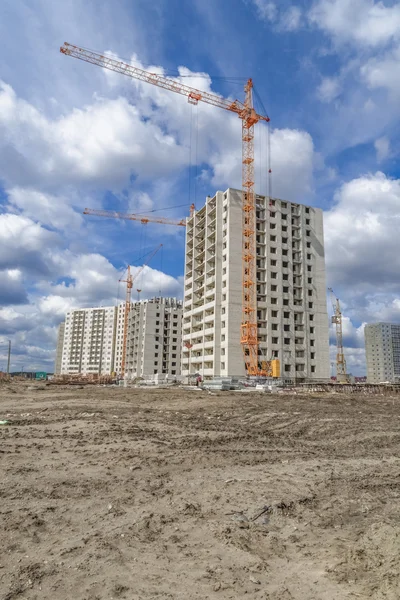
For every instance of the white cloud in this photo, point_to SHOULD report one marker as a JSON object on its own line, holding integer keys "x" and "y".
{"x": 86, "y": 280}
{"x": 103, "y": 143}
{"x": 362, "y": 22}
{"x": 384, "y": 72}
{"x": 329, "y": 89}
{"x": 292, "y": 161}
{"x": 382, "y": 147}
{"x": 363, "y": 257}
{"x": 355, "y": 360}
{"x": 383, "y": 305}
{"x": 25, "y": 245}
{"x": 93, "y": 280}
{"x": 56, "y": 306}
{"x": 32, "y": 36}
{"x": 34, "y": 260}
{"x": 361, "y": 232}
{"x": 33, "y": 338}
{"x": 352, "y": 336}
{"x": 366, "y": 38}
{"x": 287, "y": 20}
{"x": 266, "y": 10}
{"x": 12, "y": 290}
{"x": 140, "y": 202}
{"x": 291, "y": 19}
{"x": 49, "y": 209}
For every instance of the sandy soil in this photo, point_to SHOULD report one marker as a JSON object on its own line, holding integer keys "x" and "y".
{"x": 110, "y": 493}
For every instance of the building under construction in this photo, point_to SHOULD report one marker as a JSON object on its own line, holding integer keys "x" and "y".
{"x": 292, "y": 318}
{"x": 90, "y": 340}
{"x": 154, "y": 339}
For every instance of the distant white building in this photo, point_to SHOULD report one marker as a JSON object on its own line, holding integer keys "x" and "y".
{"x": 382, "y": 350}
{"x": 90, "y": 340}
{"x": 154, "y": 342}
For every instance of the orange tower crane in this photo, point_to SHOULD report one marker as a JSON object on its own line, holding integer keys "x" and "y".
{"x": 129, "y": 284}
{"x": 246, "y": 112}
{"x": 112, "y": 214}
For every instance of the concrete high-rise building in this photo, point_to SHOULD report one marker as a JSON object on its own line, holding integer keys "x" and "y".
{"x": 382, "y": 350}
{"x": 154, "y": 342}
{"x": 291, "y": 291}
{"x": 91, "y": 341}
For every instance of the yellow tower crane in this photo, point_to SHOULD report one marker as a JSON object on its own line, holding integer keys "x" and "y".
{"x": 341, "y": 371}
{"x": 249, "y": 117}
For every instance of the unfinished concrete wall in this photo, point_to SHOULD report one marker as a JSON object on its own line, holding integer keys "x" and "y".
{"x": 155, "y": 338}
{"x": 291, "y": 296}
{"x": 59, "y": 349}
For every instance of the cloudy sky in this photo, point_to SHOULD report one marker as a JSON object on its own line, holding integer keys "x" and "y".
{"x": 73, "y": 136}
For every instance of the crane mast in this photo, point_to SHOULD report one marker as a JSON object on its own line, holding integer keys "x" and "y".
{"x": 246, "y": 112}
{"x": 341, "y": 370}
{"x": 129, "y": 284}
{"x": 128, "y": 303}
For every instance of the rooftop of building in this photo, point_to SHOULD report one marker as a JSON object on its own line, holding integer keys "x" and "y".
{"x": 258, "y": 196}
{"x": 382, "y": 323}
{"x": 166, "y": 300}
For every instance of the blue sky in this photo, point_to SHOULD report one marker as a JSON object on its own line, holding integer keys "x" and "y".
{"x": 73, "y": 135}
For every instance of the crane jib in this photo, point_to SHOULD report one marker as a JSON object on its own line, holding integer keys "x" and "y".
{"x": 249, "y": 117}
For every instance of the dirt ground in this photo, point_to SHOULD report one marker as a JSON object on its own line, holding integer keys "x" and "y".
{"x": 111, "y": 493}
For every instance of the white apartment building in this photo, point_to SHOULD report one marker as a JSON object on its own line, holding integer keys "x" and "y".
{"x": 90, "y": 339}
{"x": 154, "y": 342}
{"x": 382, "y": 350}
{"x": 291, "y": 291}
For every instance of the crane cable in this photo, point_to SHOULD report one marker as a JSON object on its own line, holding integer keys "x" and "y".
{"x": 190, "y": 154}
{"x": 144, "y": 246}
{"x": 141, "y": 246}
{"x": 268, "y": 132}
{"x": 196, "y": 156}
